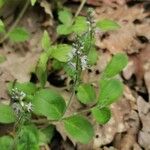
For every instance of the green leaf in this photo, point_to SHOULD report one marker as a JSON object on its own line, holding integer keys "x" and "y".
{"x": 27, "y": 87}
{"x": 6, "y": 142}
{"x": 33, "y": 2}
{"x": 116, "y": 65}
{"x": 57, "y": 65}
{"x": 107, "y": 25}
{"x": 19, "y": 34}
{"x": 2, "y": 58}
{"x": 65, "y": 17}
{"x": 2, "y": 27}
{"x": 7, "y": 114}
{"x": 86, "y": 93}
{"x": 92, "y": 57}
{"x": 46, "y": 134}
{"x": 70, "y": 71}
{"x": 60, "y": 52}
{"x": 88, "y": 42}
{"x": 28, "y": 138}
{"x": 63, "y": 29}
{"x": 101, "y": 115}
{"x": 110, "y": 91}
{"x": 46, "y": 42}
{"x": 80, "y": 25}
{"x": 49, "y": 103}
{"x": 79, "y": 128}
{"x": 41, "y": 69}
{"x": 2, "y": 3}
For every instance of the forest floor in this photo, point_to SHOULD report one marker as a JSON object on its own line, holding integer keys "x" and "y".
{"x": 129, "y": 127}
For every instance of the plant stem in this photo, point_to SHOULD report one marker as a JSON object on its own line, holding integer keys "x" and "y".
{"x": 16, "y": 22}
{"x": 80, "y": 8}
{"x": 77, "y": 113}
{"x": 75, "y": 81}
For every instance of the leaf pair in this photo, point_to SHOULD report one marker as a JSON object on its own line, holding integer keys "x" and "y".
{"x": 67, "y": 26}
{"x": 110, "y": 89}
{"x": 59, "y": 52}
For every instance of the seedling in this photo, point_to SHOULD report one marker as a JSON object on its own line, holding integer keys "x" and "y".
{"x": 34, "y": 106}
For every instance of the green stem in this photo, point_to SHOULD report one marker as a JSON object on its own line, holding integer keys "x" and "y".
{"x": 16, "y": 22}
{"x": 78, "y": 113}
{"x": 75, "y": 82}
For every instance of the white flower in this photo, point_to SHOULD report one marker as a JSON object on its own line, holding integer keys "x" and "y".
{"x": 17, "y": 94}
{"x": 73, "y": 51}
{"x": 29, "y": 107}
{"x": 22, "y": 103}
{"x": 17, "y": 108}
{"x": 22, "y": 95}
{"x": 84, "y": 62}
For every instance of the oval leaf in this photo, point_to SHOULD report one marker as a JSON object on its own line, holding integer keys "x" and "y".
{"x": 7, "y": 114}
{"x": 111, "y": 90}
{"x": 19, "y": 34}
{"x": 65, "y": 17}
{"x": 46, "y": 134}
{"x": 61, "y": 52}
{"x": 6, "y": 142}
{"x": 46, "y": 42}
{"x": 49, "y": 104}
{"x": 80, "y": 25}
{"x": 63, "y": 29}
{"x": 79, "y": 129}
{"x": 27, "y": 87}
{"x": 92, "y": 57}
{"x": 116, "y": 65}
{"x": 86, "y": 93}
{"x": 41, "y": 69}
{"x": 28, "y": 138}
{"x": 107, "y": 25}
{"x": 101, "y": 115}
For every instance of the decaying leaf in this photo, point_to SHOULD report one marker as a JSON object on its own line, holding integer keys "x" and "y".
{"x": 144, "y": 114}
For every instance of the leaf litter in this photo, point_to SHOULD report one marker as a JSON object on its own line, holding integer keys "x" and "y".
{"x": 129, "y": 125}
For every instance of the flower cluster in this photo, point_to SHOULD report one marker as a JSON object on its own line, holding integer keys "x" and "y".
{"x": 17, "y": 95}
{"x": 77, "y": 53}
{"x": 91, "y": 21}
{"x": 19, "y": 105}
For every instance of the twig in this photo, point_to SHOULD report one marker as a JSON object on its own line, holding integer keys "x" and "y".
{"x": 16, "y": 22}
{"x": 80, "y": 8}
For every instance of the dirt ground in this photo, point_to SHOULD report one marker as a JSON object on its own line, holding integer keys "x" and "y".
{"x": 129, "y": 127}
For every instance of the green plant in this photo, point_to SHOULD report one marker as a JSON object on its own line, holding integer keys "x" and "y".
{"x": 29, "y": 100}
{"x": 17, "y": 34}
